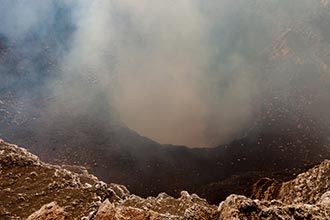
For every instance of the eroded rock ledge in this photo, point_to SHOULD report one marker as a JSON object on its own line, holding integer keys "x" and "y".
{"x": 31, "y": 189}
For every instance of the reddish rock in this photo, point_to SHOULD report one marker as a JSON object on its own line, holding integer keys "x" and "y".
{"x": 50, "y": 211}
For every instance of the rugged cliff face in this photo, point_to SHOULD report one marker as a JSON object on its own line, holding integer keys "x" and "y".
{"x": 27, "y": 183}
{"x": 31, "y": 189}
{"x": 290, "y": 122}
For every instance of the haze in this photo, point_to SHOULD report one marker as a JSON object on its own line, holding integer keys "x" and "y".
{"x": 189, "y": 72}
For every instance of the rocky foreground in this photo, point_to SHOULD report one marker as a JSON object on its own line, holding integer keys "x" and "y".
{"x": 31, "y": 189}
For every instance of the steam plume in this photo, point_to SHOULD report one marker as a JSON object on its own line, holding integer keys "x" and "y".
{"x": 182, "y": 72}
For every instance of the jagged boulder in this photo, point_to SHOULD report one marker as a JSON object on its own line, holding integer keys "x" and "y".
{"x": 166, "y": 204}
{"x": 325, "y": 199}
{"x": 307, "y": 187}
{"x": 13, "y": 156}
{"x": 109, "y": 211}
{"x": 200, "y": 212}
{"x": 121, "y": 211}
{"x": 305, "y": 197}
{"x": 186, "y": 207}
{"x": 240, "y": 207}
{"x": 27, "y": 183}
{"x": 49, "y": 211}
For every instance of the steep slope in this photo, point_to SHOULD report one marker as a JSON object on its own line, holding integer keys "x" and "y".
{"x": 290, "y": 133}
